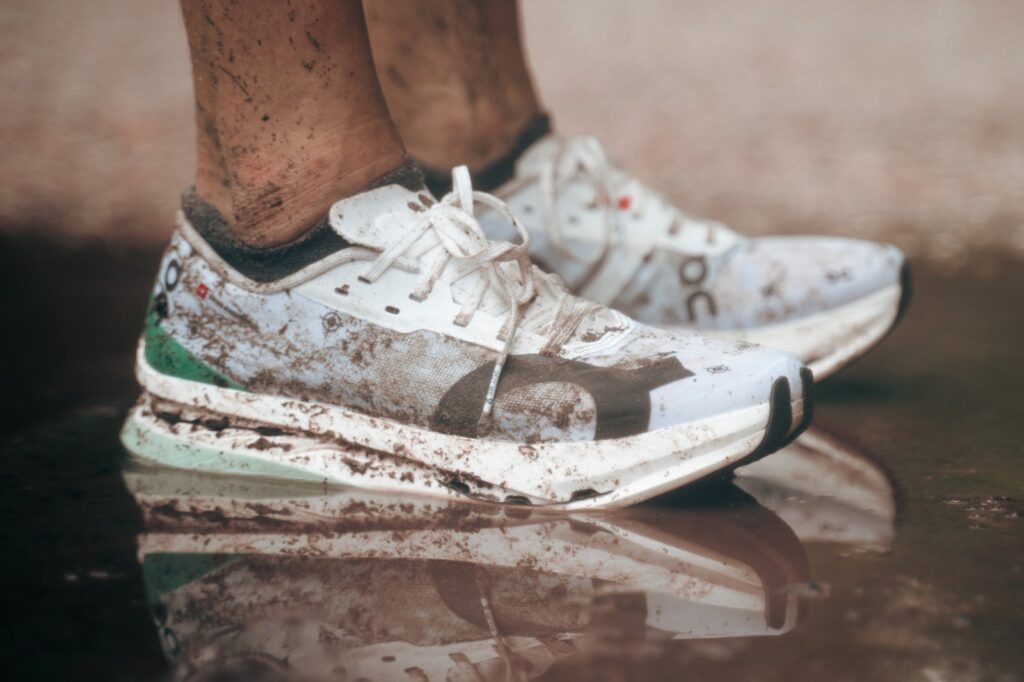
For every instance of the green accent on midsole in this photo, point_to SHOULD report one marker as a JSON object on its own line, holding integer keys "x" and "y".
{"x": 180, "y": 453}
{"x": 163, "y": 573}
{"x": 167, "y": 356}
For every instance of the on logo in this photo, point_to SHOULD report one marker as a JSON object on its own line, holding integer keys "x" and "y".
{"x": 693, "y": 271}
{"x": 172, "y": 275}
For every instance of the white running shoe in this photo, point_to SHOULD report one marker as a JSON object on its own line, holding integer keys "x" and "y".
{"x": 615, "y": 241}
{"x": 397, "y": 331}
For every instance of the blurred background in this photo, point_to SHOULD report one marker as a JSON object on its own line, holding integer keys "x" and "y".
{"x": 900, "y": 120}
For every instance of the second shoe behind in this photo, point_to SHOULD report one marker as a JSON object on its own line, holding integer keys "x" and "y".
{"x": 615, "y": 241}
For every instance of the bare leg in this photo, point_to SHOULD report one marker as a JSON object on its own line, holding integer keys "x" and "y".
{"x": 455, "y": 77}
{"x": 289, "y": 111}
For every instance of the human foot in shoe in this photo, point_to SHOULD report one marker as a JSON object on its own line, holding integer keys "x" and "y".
{"x": 615, "y": 241}
{"x": 396, "y": 329}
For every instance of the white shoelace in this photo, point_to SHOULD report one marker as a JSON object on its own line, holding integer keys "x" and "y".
{"x": 584, "y": 156}
{"x": 454, "y": 226}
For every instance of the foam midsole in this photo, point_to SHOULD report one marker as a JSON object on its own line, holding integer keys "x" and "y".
{"x": 827, "y": 341}
{"x": 622, "y": 468}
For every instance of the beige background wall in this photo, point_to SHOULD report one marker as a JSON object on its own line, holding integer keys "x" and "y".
{"x": 896, "y": 119}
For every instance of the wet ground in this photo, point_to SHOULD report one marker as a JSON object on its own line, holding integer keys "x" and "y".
{"x": 888, "y": 545}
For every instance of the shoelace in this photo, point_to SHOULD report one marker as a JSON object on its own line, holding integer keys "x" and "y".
{"x": 578, "y": 154}
{"x": 466, "y": 247}
{"x": 584, "y": 155}
{"x": 501, "y": 647}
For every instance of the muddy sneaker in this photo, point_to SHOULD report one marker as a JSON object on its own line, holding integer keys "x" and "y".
{"x": 398, "y": 331}
{"x": 615, "y": 241}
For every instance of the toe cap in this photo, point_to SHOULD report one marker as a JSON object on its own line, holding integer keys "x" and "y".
{"x": 725, "y": 376}
{"x": 775, "y": 279}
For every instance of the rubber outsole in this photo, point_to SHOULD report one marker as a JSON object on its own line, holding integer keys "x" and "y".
{"x": 906, "y": 292}
{"x": 807, "y": 382}
{"x": 780, "y": 430}
{"x": 780, "y": 420}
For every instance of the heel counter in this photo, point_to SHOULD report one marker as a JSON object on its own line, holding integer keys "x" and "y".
{"x": 162, "y": 351}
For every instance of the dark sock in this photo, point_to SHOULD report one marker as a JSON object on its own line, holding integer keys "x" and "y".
{"x": 274, "y": 263}
{"x": 498, "y": 173}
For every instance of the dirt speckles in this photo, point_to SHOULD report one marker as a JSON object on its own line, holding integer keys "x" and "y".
{"x": 395, "y": 77}
{"x": 529, "y": 452}
{"x": 592, "y": 335}
{"x": 263, "y": 444}
{"x": 238, "y": 83}
{"x": 991, "y": 511}
{"x": 836, "y": 276}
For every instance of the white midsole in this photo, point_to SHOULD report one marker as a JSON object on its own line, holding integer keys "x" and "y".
{"x": 624, "y": 470}
{"x": 828, "y": 341}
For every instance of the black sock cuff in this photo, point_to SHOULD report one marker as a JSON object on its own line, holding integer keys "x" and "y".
{"x": 276, "y": 262}
{"x": 410, "y": 176}
{"x": 259, "y": 264}
{"x": 501, "y": 171}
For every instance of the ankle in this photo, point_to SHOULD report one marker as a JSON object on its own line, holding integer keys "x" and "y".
{"x": 266, "y": 205}
{"x": 476, "y": 137}
{"x": 271, "y": 263}
{"x": 500, "y": 170}
{"x": 280, "y": 208}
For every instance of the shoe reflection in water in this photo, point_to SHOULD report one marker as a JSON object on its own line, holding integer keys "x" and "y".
{"x": 826, "y": 492}
{"x": 253, "y": 580}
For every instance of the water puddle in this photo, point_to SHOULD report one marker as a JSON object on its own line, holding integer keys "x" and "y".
{"x": 256, "y": 579}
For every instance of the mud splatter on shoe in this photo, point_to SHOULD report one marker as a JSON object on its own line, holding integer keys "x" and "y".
{"x": 398, "y": 331}
{"x": 615, "y": 241}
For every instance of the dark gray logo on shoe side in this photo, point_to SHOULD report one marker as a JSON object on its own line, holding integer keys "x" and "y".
{"x": 622, "y": 397}
{"x": 692, "y": 272}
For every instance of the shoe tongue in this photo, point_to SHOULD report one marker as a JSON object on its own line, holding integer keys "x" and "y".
{"x": 370, "y": 219}
{"x": 538, "y": 154}
{"x": 374, "y": 218}
{"x": 695, "y": 236}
